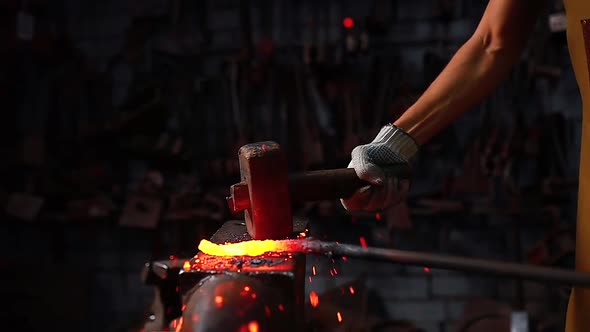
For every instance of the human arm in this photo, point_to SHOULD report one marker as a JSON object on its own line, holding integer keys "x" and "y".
{"x": 475, "y": 70}
{"x": 472, "y": 74}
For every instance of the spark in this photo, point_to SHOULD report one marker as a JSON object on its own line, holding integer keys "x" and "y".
{"x": 171, "y": 257}
{"x": 314, "y": 299}
{"x": 186, "y": 266}
{"x": 302, "y": 234}
{"x": 310, "y": 279}
{"x": 426, "y": 269}
{"x": 281, "y": 308}
{"x": 195, "y": 318}
{"x": 344, "y": 258}
{"x": 313, "y": 270}
{"x": 247, "y": 288}
{"x": 351, "y": 289}
{"x": 253, "y": 295}
{"x": 219, "y": 301}
{"x": 179, "y": 326}
{"x": 335, "y": 271}
{"x": 363, "y": 241}
{"x": 183, "y": 307}
{"x": 339, "y": 316}
{"x": 253, "y": 326}
{"x": 378, "y": 216}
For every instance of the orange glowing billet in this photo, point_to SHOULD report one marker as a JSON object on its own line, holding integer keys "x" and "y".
{"x": 246, "y": 248}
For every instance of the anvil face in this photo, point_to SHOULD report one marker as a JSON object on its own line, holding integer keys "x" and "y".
{"x": 268, "y": 263}
{"x": 283, "y": 269}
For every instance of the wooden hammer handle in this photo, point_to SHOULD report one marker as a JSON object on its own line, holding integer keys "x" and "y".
{"x": 334, "y": 183}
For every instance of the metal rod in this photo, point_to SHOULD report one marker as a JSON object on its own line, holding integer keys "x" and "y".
{"x": 483, "y": 266}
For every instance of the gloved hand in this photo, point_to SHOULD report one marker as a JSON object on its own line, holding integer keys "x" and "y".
{"x": 391, "y": 146}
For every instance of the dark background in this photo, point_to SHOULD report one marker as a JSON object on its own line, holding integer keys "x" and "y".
{"x": 121, "y": 122}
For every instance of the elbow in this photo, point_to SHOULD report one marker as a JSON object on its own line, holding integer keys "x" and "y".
{"x": 497, "y": 45}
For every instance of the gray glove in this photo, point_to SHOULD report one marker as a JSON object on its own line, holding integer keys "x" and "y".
{"x": 391, "y": 146}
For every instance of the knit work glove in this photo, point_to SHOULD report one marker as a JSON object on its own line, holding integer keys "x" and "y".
{"x": 391, "y": 146}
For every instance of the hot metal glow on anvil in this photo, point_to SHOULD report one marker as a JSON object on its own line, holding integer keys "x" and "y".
{"x": 262, "y": 293}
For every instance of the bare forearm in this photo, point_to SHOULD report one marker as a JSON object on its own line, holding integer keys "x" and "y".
{"x": 475, "y": 71}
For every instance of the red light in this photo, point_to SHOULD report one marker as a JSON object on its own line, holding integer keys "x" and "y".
{"x": 348, "y": 22}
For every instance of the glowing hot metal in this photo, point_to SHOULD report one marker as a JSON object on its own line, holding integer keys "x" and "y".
{"x": 248, "y": 248}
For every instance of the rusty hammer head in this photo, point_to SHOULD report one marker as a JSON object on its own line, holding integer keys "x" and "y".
{"x": 263, "y": 192}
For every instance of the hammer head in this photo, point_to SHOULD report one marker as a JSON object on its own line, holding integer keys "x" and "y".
{"x": 264, "y": 191}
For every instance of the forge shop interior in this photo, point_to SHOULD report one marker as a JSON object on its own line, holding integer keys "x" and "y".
{"x": 136, "y": 132}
